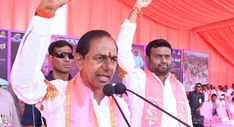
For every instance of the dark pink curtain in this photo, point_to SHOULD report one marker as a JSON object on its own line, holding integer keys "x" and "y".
{"x": 199, "y": 25}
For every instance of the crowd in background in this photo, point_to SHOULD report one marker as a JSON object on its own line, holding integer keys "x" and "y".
{"x": 211, "y": 106}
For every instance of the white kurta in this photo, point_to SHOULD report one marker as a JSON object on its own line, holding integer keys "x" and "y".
{"x": 135, "y": 80}
{"x": 8, "y": 111}
{"x": 28, "y": 80}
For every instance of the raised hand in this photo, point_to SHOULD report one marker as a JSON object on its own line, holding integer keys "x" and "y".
{"x": 142, "y": 3}
{"x": 50, "y": 6}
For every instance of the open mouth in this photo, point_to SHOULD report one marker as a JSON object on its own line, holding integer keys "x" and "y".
{"x": 103, "y": 77}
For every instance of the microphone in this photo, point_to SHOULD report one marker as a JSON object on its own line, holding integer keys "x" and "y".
{"x": 121, "y": 88}
{"x": 109, "y": 90}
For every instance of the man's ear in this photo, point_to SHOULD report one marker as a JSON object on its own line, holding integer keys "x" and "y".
{"x": 79, "y": 60}
{"x": 146, "y": 59}
{"x": 50, "y": 57}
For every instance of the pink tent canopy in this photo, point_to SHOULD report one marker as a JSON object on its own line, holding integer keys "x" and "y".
{"x": 200, "y": 25}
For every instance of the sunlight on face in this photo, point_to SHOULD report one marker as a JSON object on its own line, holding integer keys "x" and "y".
{"x": 99, "y": 64}
{"x": 59, "y": 64}
{"x": 159, "y": 61}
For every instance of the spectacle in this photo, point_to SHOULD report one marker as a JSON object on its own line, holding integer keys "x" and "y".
{"x": 64, "y": 54}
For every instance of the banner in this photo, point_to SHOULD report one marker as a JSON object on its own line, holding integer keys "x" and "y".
{"x": 138, "y": 54}
{"x": 176, "y": 64}
{"x": 195, "y": 69}
{"x": 3, "y": 57}
{"x": 16, "y": 37}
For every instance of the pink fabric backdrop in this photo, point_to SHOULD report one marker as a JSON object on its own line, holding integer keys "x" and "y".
{"x": 200, "y": 25}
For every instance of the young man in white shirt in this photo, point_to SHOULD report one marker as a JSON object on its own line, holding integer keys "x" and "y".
{"x": 154, "y": 83}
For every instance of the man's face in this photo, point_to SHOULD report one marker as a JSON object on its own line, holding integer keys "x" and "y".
{"x": 159, "y": 60}
{"x": 204, "y": 88}
{"x": 99, "y": 64}
{"x": 213, "y": 98}
{"x": 61, "y": 63}
{"x": 198, "y": 88}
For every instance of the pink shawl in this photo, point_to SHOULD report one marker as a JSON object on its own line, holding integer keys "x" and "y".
{"x": 79, "y": 108}
{"x": 154, "y": 92}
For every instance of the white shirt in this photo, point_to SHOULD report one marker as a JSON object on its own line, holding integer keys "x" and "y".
{"x": 8, "y": 113}
{"x": 231, "y": 109}
{"x": 206, "y": 95}
{"x": 169, "y": 105}
{"x": 135, "y": 80}
{"x": 102, "y": 111}
{"x": 230, "y": 91}
{"x": 28, "y": 81}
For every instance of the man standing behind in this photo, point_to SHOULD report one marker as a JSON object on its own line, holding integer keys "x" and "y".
{"x": 155, "y": 82}
{"x": 196, "y": 99}
{"x": 61, "y": 59}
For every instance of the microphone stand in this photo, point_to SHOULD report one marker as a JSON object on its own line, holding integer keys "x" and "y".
{"x": 121, "y": 112}
{"x": 159, "y": 108}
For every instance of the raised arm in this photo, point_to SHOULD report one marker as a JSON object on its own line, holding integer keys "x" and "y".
{"x": 135, "y": 77}
{"x": 26, "y": 77}
{"x": 126, "y": 35}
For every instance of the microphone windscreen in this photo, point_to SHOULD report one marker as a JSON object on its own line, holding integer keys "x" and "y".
{"x": 108, "y": 90}
{"x": 120, "y": 88}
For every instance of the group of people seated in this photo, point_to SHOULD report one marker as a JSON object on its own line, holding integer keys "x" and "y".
{"x": 214, "y": 107}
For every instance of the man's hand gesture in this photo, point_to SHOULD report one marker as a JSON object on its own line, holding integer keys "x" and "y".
{"x": 142, "y": 3}
{"x": 50, "y": 6}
